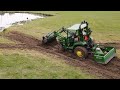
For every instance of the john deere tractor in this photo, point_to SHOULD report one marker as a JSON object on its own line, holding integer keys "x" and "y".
{"x": 77, "y": 39}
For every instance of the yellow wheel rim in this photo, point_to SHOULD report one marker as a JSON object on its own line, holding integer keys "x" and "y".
{"x": 79, "y": 54}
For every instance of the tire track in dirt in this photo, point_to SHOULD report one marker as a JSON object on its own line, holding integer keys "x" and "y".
{"x": 111, "y": 70}
{"x": 112, "y": 66}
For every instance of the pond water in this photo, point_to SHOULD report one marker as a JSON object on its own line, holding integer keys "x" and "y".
{"x": 8, "y": 19}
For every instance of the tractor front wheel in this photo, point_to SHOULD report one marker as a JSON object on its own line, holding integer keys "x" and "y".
{"x": 80, "y": 52}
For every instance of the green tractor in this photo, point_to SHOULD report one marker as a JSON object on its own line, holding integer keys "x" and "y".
{"x": 77, "y": 39}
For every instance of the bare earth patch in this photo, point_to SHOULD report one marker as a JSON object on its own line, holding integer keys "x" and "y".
{"x": 109, "y": 71}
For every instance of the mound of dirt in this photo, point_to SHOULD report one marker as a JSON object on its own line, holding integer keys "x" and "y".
{"x": 111, "y": 70}
{"x": 26, "y": 39}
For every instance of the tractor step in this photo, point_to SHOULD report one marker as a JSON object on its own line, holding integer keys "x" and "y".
{"x": 108, "y": 54}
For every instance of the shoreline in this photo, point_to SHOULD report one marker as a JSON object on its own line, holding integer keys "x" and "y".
{"x": 30, "y": 12}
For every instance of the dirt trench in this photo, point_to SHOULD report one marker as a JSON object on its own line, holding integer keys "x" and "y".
{"x": 109, "y": 71}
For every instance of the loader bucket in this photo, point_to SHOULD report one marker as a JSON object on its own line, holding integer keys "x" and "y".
{"x": 49, "y": 38}
{"x": 108, "y": 54}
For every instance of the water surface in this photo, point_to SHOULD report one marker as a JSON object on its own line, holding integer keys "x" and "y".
{"x": 8, "y": 19}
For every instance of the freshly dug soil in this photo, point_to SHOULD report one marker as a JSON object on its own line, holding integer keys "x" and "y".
{"x": 109, "y": 71}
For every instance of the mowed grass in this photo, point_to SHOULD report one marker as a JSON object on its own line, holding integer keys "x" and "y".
{"x": 104, "y": 24}
{"x": 30, "y": 64}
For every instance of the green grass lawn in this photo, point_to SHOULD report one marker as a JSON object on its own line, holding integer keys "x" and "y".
{"x": 23, "y": 64}
{"x": 105, "y": 24}
{"x": 30, "y": 64}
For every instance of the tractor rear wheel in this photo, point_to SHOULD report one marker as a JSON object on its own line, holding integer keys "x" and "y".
{"x": 80, "y": 52}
